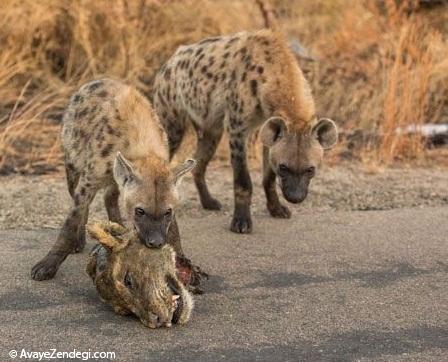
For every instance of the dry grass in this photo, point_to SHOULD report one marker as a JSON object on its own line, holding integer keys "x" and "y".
{"x": 380, "y": 67}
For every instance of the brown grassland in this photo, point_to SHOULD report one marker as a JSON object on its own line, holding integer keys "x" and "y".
{"x": 379, "y": 64}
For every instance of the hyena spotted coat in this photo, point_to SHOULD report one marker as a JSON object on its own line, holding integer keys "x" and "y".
{"x": 241, "y": 82}
{"x": 112, "y": 139}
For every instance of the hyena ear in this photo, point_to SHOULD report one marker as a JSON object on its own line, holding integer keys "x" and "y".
{"x": 180, "y": 171}
{"x": 272, "y": 130}
{"x": 123, "y": 171}
{"x": 326, "y": 133}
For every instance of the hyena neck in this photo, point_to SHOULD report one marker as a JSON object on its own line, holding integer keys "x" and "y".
{"x": 295, "y": 102}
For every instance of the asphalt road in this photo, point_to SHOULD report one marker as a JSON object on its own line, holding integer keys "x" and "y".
{"x": 365, "y": 285}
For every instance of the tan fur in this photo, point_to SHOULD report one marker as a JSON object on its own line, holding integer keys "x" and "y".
{"x": 113, "y": 139}
{"x": 135, "y": 279}
{"x": 239, "y": 83}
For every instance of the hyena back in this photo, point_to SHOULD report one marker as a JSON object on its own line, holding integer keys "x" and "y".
{"x": 112, "y": 139}
{"x": 239, "y": 83}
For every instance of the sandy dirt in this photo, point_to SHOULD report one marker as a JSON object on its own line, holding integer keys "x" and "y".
{"x": 43, "y": 201}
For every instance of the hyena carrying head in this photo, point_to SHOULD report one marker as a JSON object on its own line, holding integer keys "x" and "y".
{"x": 137, "y": 280}
{"x": 149, "y": 197}
{"x": 295, "y": 155}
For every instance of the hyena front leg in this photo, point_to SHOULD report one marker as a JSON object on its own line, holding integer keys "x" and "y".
{"x": 242, "y": 184}
{"x": 276, "y": 209}
{"x": 207, "y": 143}
{"x": 71, "y": 238}
{"x": 111, "y": 202}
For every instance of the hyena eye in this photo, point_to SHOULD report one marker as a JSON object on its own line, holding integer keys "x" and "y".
{"x": 139, "y": 211}
{"x": 128, "y": 280}
{"x": 168, "y": 212}
{"x": 283, "y": 168}
{"x": 311, "y": 171}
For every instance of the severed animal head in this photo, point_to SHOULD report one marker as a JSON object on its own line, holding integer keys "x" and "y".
{"x": 137, "y": 280}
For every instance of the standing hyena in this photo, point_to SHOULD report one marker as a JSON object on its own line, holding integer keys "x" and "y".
{"x": 105, "y": 122}
{"x": 241, "y": 82}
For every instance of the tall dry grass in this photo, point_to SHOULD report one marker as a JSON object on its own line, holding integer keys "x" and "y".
{"x": 379, "y": 68}
{"x": 382, "y": 67}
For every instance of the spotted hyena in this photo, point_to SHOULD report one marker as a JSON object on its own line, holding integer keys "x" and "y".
{"x": 241, "y": 82}
{"x": 113, "y": 140}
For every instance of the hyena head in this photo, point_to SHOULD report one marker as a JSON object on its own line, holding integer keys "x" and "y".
{"x": 137, "y": 280}
{"x": 149, "y": 197}
{"x": 295, "y": 155}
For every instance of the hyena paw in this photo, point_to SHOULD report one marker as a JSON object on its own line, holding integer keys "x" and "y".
{"x": 241, "y": 225}
{"x": 211, "y": 204}
{"x": 45, "y": 269}
{"x": 279, "y": 211}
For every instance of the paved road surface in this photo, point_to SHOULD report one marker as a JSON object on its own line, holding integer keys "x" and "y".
{"x": 367, "y": 285}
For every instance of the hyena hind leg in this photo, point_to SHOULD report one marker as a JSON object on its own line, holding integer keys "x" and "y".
{"x": 111, "y": 197}
{"x": 206, "y": 147}
{"x": 175, "y": 128}
{"x": 71, "y": 238}
{"x": 72, "y": 178}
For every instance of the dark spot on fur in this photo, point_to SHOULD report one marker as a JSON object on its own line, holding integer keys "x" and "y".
{"x": 82, "y": 113}
{"x": 102, "y": 94}
{"x": 77, "y": 98}
{"x": 211, "y": 60}
{"x": 223, "y": 76}
{"x": 204, "y": 69}
{"x": 199, "y": 51}
{"x": 258, "y": 109}
{"x": 233, "y": 75}
{"x": 94, "y": 85}
{"x": 253, "y": 87}
{"x": 260, "y": 69}
{"x": 113, "y": 131}
{"x": 167, "y": 73}
{"x": 243, "y": 77}
{"x": 210, "y": 40}
{"x": 198, "y": 60}
{"x": 226, "y": 55}
{"x": 107, "y": 150}
{"x": 190, "y": 73}
{"x": 209, "y": 75}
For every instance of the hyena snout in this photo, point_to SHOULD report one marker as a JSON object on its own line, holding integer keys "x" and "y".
{"x": 294, "y": 188}
{"x": 152, "y": 232}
